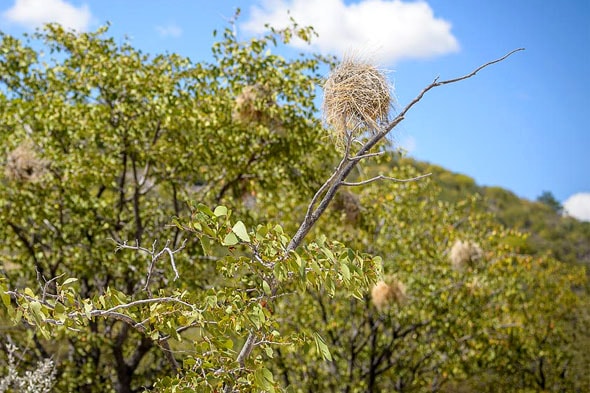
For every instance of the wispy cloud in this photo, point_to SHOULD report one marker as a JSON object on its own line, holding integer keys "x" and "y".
{"x": 34, "y": 13}
{"x": 578, "y": 206}
{"x": 171, "y": 30}
{"x": 389, "y": 30}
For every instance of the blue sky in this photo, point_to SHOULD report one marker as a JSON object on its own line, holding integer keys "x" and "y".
{"x": 521, "y": 124}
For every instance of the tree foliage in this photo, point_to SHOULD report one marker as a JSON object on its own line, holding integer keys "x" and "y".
{"x": 565, "y": 238}
{"x": 154, "y": 213}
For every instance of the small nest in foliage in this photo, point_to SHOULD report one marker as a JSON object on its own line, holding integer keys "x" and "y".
{"x": 251, "y": 104}
{"x": 24, "y": 165}
{"x": 384, "y": 294}
{"x": 357, "y": 97}
{"x": 350, "y": 205}
{"x": 465, "y": 254}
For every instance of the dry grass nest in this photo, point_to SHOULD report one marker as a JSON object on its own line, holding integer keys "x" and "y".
{"x": 387, "y": 292}
{"x": 357, "y": 97}
{"x": 250, "y": 103}
{"x": 465, "y": 254}
{"x": 349, "y": 204}
{"x": 24, "y": 165}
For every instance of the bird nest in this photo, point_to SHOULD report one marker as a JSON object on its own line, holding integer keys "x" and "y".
{"x": 251, "y": 104}
{"x": 357, "y": 97}
{"x": 24, "y": 165}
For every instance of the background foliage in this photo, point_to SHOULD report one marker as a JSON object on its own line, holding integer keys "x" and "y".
{"x": 148, "y": 204}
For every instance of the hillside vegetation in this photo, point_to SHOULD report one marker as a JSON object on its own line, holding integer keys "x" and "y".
{"x": 550, "y": 232}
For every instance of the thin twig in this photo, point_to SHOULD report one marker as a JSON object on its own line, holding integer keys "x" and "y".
{"x": 381, "y": 177}
{"x": 363, "y": 156}
{"x": 46, "y": 286}
{"x": 154, "y": 255}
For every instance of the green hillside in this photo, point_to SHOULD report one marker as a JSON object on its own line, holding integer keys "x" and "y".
{"x": 565, "y": 238}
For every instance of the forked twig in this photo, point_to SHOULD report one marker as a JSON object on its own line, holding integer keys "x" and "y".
{"x": 155, "y": 255}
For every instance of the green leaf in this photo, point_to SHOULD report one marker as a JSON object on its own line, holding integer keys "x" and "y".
{"x": 205, "y": 209}
{"x": 69, "y": 281}
{"x": 36, "y": 310}
{"x": 321, "y": 347}
{"x": 240, "y": 230}
{"x": 269, "y": 352}
{"x": 5, "y": 296}
{"x": 206, "y": 245}
{"x": 230, "y": 239}
{"x": 345, "y": 271}
{"x": 328, "y": 253}
{"x": 220, "y": 211}
{"x": 266, "y": 287}
{"x": 227, "y": 343}
{"x": 264, "y": 380}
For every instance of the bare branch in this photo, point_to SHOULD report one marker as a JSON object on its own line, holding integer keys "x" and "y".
{"x": 142, "y": 301}
{"x": 368, "y": 155}
{"x": 327, "y": 191}
{"x": 329, "y": 188}
{"x": 381, "y": 177}
{"x": 244, "y": 354}
{"x": 481, "y": 68}
{"x": 437, "y": 83}
{"x": 155, "y": 255}
{"x": 46, "y": 286}
{"x": 246, "y": 349}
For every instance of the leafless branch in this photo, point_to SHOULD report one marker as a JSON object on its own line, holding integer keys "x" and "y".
{"x": 155, "y": 255}
{"x": 328, "y": 190}
{"x": 381, "y": 177}
{"x": 368, "y": 155}
{"x": 47, "y": 284}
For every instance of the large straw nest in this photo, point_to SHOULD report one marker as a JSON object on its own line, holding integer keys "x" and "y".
{"x": 24, "y": 165}
{"x": 357, "y": 97}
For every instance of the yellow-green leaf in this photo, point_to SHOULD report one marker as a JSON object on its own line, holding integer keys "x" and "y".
{"x": 240, "y": 230}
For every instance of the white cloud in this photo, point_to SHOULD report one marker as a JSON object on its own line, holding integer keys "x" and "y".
{"x": 34, "y": 13}
{"x": 171, "y": 30}
{"x": 578, "y": 206}
{"x": 389, "y": 30}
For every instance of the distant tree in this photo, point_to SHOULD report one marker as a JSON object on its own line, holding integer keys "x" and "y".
{"x": 548, "y": 199}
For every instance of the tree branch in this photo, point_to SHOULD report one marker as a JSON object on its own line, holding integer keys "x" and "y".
{"x": 155, "y": 255}
{"x": 381, "y": 177}
{"x": 344, "y": 169}
{"x": 329, "y": 188}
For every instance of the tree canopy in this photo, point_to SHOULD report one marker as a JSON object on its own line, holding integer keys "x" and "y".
{"x": 172, "y": 225}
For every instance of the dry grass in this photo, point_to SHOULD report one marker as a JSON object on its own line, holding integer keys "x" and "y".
{"x": 23, "y": 164}
{"x": 349, "y": 204}
{"x": 357, "y": 97}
